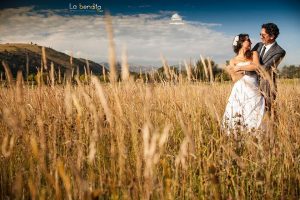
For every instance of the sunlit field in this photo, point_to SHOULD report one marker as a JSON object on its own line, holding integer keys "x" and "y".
{"x": 141, "y": 139}
{"x": 134, "y": 140}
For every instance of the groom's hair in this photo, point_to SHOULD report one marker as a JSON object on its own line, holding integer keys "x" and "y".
{"x": 271, "y": 29}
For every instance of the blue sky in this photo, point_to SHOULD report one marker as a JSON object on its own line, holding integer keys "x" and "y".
{"x": 143, "y": 27}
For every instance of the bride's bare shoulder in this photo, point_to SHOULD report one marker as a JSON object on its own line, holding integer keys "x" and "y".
{"x": 233, "y": 61}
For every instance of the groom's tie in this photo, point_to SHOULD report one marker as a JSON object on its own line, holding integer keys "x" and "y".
{"x": 262, "y": 53}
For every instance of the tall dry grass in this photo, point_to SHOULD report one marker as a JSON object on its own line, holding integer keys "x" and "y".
{"x": 142, "y": 141}
{"x": 136, "y": 140}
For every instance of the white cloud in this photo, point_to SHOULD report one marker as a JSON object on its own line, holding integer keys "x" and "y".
{"x": 146, "y": 36}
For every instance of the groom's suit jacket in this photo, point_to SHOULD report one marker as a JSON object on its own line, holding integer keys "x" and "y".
{"x": 269, "y": 62}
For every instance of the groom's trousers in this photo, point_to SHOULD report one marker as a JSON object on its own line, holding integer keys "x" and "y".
{"x": 268, "y": 87}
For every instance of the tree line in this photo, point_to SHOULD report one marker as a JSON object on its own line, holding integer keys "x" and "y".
{"x": 290, "y": 71}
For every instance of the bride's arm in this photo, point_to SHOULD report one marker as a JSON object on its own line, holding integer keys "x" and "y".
{"x": 235, "y": 75}
{"x": 253, "y": 66}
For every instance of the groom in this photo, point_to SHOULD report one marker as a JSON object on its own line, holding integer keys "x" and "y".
{"x": 270, "y": 55}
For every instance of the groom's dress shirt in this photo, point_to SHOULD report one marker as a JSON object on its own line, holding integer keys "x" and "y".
{"x": 273, "y": 52}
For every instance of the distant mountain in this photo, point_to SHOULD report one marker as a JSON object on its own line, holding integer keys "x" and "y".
{"x": 17, "y": 55}
{"x": 141, "y": 68}
{"x": 132, "y": 67}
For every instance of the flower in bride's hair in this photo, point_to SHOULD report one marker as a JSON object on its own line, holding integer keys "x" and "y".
{"x": 236, "y": 39}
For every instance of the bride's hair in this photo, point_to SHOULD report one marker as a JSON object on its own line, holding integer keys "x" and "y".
{"x": 242, "y": 38}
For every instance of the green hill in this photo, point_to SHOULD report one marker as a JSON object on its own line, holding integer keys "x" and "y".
{"x": 17, "y": 55}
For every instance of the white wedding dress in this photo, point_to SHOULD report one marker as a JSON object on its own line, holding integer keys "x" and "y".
{"x": 246, "y": 105}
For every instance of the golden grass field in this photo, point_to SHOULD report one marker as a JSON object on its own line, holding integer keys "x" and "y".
{"x": 139, "y": 140}
{"x": 131, "y": 140}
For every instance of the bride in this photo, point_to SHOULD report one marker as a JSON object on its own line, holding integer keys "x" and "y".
{"x": 246, "y": 105}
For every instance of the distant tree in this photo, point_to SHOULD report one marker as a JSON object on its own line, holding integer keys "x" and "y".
{"x": 173, "y": 72}
{"x": 290, "y": 72}
{"x": 201, "y": 72}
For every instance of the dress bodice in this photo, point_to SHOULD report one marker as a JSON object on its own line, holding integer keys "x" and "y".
{"x": 240, "y": 64}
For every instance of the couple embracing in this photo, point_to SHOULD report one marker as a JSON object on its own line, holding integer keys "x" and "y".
{"x": 254, "y": 74}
